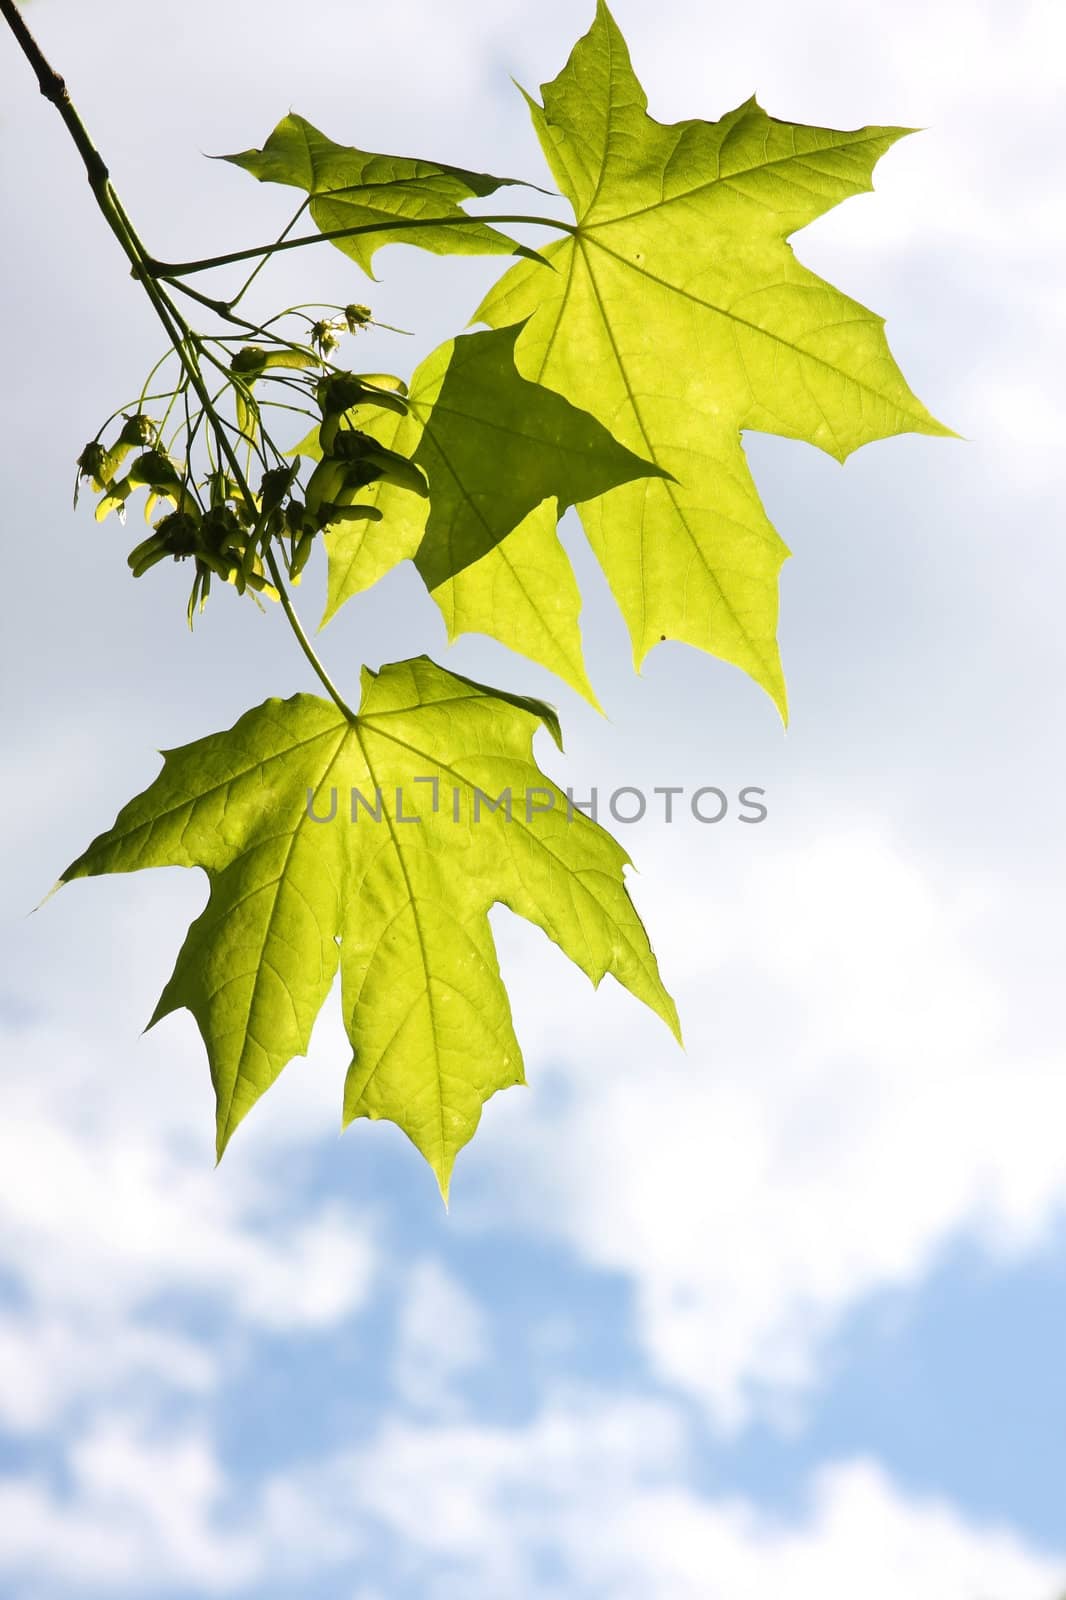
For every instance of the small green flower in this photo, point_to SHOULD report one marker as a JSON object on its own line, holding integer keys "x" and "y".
{"x": 324, "y": 335}
{"x": 179, "y": 533}
{"x": 95, "y": 464}
{"x": 137, "y": 429}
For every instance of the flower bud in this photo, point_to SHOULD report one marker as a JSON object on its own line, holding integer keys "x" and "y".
{"x": 324, "y": 337}
{"x": 137, "y": 430}
{"x": 276, "y": 484}
{"x": 180, "y": 534}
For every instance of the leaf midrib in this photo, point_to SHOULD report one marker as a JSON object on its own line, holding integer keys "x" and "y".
{"x": 225, "y": 1130}
{"x": 422, "y": 952}
{"x": 727, "y": 178}
{"x": 668, "y": 486}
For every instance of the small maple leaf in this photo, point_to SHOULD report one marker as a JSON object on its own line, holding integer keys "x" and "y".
{"x": 349, "y": 188}
{"x": 504, "y": 458}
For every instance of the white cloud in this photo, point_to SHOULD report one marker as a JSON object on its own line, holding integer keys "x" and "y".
{"x": 48, "y": 1360}
{"x": 110, "y": 1204}
{"x": 850, "y": 1101}
{"x": 130, "y": 1206}
{"x": 860, "y": 1536}
{"x": 440, "y": 1335}
{"x": 597, "y": 1490}
{"x": 139, "y": 1511}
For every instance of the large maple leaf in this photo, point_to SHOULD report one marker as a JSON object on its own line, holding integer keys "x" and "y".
{"x": 678, "y": 315}
{"x": 377, "y": 843}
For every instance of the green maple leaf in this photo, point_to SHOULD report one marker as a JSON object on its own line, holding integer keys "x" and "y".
{"x": 494, "y": 445}
{"x": 499, "y": 454}
{"x": 524, "y": 593}
{"x": 351, "y": 188}
{"x": 399, "y": 904}
{"x": 679, "y": 315}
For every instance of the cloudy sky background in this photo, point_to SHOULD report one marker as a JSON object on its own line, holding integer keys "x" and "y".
{"x": 782, "y": 1314}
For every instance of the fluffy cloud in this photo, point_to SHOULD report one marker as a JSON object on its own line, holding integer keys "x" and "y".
{"x": 850, "y": 1100}
{"x": 110, "y": 1207}
{"x": 138, "y": 1511}
{"x": 592, "y": 1491}
{"x": 440, "y": 1335}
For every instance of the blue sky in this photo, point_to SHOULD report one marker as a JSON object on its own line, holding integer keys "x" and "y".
{"x": 781, "y": 1314}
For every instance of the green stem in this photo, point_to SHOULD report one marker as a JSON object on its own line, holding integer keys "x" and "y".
{"x": 222, "y": 308}
{"x": 184, "y": 269}
{"x": 301, "y": 637}
{"x": 183, "y": 340}
{"x": 257, "y": 269}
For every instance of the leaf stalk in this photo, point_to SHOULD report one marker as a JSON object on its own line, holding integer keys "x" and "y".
{"x": 185, "y": 269}
{"x": 186, "y": 344}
